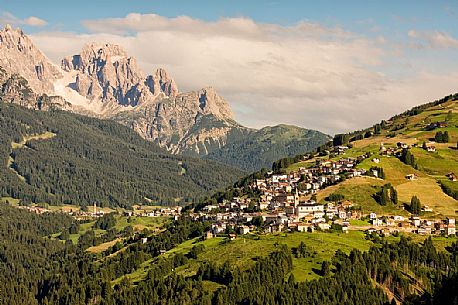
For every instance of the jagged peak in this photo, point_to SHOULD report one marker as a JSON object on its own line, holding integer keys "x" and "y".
{"x": 104, "y": 49}
{"x": 8, "y": 27}
{"x": 18, "y": 54}
{"x": 161, "y": 81}
{"x": 211, "y": 101}
{"x": 13, "y": 35}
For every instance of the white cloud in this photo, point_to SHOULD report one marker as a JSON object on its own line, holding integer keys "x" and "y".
{"x": 8, "y": 18}
{"x": 305, "y": 74}
{"x": 433, "y": 39}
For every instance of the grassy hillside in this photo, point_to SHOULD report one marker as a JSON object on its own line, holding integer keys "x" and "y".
{"x": 262, "y": 147}
{"x": 58, "y": 157}
{"x": 412, "y": 128}
{"x": 243, "y": 252}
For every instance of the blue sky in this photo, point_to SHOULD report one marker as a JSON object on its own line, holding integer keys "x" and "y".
{"x": 317, "y": 64}
{"x": 391, "y": 16}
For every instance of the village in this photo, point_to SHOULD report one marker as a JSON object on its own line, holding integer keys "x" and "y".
{"x": 287, "y": 202}
{"x": 282, "y": 207}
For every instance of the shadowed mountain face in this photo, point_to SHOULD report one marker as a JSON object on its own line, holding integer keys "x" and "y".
{"x": 59, "y": 157}
{"x": 104, "y": 81}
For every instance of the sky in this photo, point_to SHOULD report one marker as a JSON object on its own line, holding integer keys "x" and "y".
{"x": 334, "y": 66}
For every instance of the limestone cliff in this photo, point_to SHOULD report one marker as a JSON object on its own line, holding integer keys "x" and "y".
{"x": 18, "y": 55}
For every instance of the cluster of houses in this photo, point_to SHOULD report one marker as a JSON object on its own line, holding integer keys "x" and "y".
{"x": 34, "y": 209}
{"x": 95, "y": 212}
{"x": 270, "y": 222}
{"x": 280, "y": 202}
{"x": 389, "y": 225}
{"x": 281, "y": 207}
{"x": 160, "y": 212}
{"x": 394, "y": 150}
{"x": 435, "y": 125}
{"x": 277, "y": 190}
{"x": 244, "y": 223}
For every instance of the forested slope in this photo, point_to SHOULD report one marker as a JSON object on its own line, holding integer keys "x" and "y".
{"x": 53, "y": 273}
{"x": 60, "y": 157}
{"x": 262, "y": 147}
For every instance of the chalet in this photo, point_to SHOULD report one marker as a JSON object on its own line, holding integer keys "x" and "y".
{"x": 308, "y": 208}
{"x": 324, "y": 226}
{"x": 435, "y": 125}
{"x": 424, "y": 230}
{"x": 209, "y": 234}
{"x": 375, "y": 173}
{"x": 411, "y": 177}
{"x": 398, "y": 218}
{"x": 390, "y": 222}
{"x": 426, "y": 209}
{"x": 342, "y": 214}
{"x": 384, "y": 232}
{"x": 282, "y": 219}
{"x": 452, "y": 177}
{"x": 232, "y": 236}
{"x": 303, "y": 227}
{"x": 247, "y": 218}
{"x": 402, "y": 145}
{"x": 354, "y": 214}
{"x": 370, "y": 230}
{"x": 450, "y": 230}
{"x": 244, "y": 230}
{"x": 269, "y": 218}
{"x": 318, "y": 214}
{"x": 128, "y": 213}
{"x": 209, "y": 208}
{"x": 431, "y": 148}
{"x": 416, "y": 221}
{"x": 290, "y": 210}
{"x": 277, "y": 227}
{"x": 346, "y": 204}
{"x": 376, "y": 160}
{"x": 376, "y": 222}
{"x": 278, "y": 178}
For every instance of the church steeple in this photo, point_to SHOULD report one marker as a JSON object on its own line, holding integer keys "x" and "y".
{"x": 296, "y": 198}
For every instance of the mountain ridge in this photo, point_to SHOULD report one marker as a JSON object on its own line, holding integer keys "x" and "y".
{"x": 104, "y": 81}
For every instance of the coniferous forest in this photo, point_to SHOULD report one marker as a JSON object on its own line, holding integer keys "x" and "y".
{"x": 37, "y": 270}
{"x": 85, "y": 160}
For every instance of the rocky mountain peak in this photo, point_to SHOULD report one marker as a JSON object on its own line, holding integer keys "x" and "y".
{"x": 210, "y": 102}
{"x": 105, "y": 72}
{"x": 160, "y": 81}
{"x": 103, "y": 80}
{"x": 94, "y": 54}
{"x": 19, "y": 55}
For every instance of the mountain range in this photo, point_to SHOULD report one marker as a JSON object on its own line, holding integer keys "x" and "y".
{"x": 103, "y": 81}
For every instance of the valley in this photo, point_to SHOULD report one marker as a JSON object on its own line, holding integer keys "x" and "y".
{"x": 306, "y": 216}
{"x": 117, "y": 186}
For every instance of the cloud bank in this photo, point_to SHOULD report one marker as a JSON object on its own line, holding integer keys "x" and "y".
{"x": 306, "y": 74}
{"x": 8, "y": 18}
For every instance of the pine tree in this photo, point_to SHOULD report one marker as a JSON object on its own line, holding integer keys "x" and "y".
{"x": 415, "y": 205}
{"x": 394, "y": 195}
{"x": 325, "y": 268}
